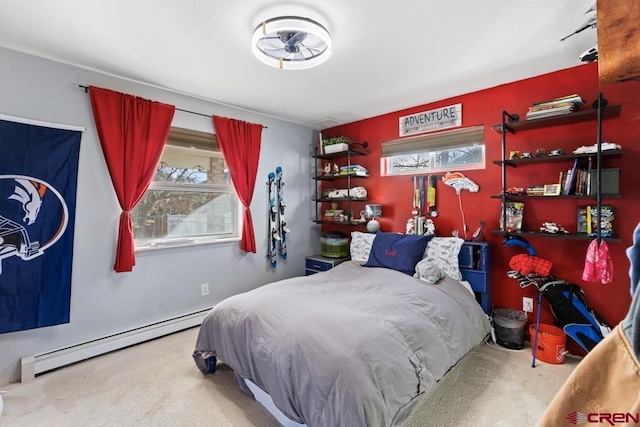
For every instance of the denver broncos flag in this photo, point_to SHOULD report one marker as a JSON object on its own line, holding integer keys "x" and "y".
{"x": 38, "y": 177}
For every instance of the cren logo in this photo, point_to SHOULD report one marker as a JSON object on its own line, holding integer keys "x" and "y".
{"x": 577, "y": 418}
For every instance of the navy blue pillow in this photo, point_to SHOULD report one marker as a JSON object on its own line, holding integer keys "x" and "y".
{"x": 397, "y": 251}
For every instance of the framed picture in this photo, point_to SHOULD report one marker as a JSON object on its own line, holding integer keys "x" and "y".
{"x": 514, "y": 155}
{"x": 551, "y": 190}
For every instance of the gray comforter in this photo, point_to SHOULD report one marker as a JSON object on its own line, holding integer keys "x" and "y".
{"x": 352, "y": 346}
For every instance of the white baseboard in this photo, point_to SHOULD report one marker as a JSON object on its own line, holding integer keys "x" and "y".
{"x": 39, "y": 363}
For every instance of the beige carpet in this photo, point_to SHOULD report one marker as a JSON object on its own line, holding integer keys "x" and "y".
{"x": 158, "y": 384}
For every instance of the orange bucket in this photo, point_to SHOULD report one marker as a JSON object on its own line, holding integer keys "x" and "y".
{"x": 551, "y": 343}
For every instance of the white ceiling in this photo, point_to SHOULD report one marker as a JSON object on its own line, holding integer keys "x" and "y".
{"x": 385, "y": 57}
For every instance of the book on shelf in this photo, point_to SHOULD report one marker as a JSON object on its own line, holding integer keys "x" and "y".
{"x": 573, "y": 98}
{"x": 353, "y": 170}
{"x": 578, "y": 179}
{"x": 563, "y": 105}
{"x": 571, "y": 179}
{"x": 588, "y": 220}
{"x": 514, "y": 216}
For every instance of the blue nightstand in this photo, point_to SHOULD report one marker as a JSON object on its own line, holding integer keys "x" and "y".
{"x": 318, "y": 263}
{"x": 475, "y": 266}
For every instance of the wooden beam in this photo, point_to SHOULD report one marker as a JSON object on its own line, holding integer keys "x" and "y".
{"x": 618, "y": 40}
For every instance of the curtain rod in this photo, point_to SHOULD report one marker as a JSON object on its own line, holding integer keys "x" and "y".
{"x": 86, "y": 90}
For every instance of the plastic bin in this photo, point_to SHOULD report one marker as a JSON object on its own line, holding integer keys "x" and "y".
{"x": 509, "y": 327}
{"x": 334, "y": 244}
{"x": 551, "y": 343}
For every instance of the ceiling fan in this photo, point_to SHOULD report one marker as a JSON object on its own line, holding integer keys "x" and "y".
{"x": 291, "y": 42}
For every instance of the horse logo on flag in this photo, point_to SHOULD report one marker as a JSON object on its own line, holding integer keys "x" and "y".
{"x": 28, "y": 194}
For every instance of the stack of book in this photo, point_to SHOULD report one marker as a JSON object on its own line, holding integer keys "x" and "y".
{"x": 353, "y": 170}
{"x": 563, "y": 105}
{"x": 535, "y": 190}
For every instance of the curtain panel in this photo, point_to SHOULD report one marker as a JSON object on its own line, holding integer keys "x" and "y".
{"x": 240, "y": 145}
{"x": 132, "y": 132}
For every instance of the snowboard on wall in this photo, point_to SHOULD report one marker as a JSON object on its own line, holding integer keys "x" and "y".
{"x": 273, "y": 219}
{"x": 282, "y": 223}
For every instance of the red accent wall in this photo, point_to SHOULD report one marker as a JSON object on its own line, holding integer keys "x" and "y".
{"x": 484, "y": 108}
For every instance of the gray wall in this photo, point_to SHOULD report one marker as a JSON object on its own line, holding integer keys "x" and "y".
{"x": 164, "y": 283}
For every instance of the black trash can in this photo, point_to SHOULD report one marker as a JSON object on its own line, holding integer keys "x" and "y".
{"x": 509, "y": 327}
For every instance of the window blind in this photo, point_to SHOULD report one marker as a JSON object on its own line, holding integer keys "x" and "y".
{"x": 435, "y": 141}
{"x": 187, "y": 138}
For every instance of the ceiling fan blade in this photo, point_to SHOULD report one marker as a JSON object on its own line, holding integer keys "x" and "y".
{"x": 312, "y": 48}
{"x": 298, "y": 56}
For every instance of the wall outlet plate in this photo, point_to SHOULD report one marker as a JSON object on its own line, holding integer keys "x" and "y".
{"x": 527, "y": 304}
{"x": 204, "y": 288}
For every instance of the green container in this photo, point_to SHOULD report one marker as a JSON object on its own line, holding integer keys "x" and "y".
{"x": 334, "y": 244}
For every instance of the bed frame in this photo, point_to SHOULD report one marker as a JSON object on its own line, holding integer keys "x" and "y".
{"x": 475, "y": 265}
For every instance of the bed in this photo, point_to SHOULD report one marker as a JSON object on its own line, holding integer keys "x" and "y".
{"x": 352, "y": 346}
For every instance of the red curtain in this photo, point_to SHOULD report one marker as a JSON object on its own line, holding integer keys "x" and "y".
{"x": 132, "y": 133}
{"x": 240, "y": 145}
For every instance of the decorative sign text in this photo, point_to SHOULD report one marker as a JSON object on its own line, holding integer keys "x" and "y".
{"x": 440, "y": 118}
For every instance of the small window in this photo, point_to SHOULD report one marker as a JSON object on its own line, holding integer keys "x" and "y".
{"x": 460, "y": 149}
{"x": 191, "y": 198}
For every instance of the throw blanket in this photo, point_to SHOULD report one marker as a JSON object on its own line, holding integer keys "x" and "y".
{"x": 352, "y": 346}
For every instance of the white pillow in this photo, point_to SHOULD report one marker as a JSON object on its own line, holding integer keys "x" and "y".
{"x": 443, "y": 251}
{"x": 360, "y": 245}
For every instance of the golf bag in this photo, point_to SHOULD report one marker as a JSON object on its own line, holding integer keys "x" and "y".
{"x": 572, "y": 314}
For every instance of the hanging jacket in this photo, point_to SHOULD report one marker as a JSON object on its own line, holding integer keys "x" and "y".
{"x": 631, "y": 323}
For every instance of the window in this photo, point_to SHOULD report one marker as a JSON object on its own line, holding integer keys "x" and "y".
{"x": 459, "y": 149}
{"x": 191, "y": 198}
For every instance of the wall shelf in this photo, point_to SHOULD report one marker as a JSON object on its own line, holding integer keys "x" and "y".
{"x": 350, "y": 223}
{"x": 570, "y": 236}
{"x": 348, "y": 203}
{"x": 564, "y": 119}
{"x": 519, "y": 197}
{"x": 559, "y": 158}
{"x": 509, "y": 124}
{"x": 337, "y": 177}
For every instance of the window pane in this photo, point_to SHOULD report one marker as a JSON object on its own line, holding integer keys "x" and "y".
{"x": 191, "y": 167}
{"x": 190, "y": 197}
{"x": 175, "y": 213}
{"x": 458, "y": 156}
{"x": 410, "y": 163}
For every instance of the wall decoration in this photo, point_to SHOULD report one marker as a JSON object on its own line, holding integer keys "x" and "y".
{"x": 38, "y": 177}
{"x": 459, "y": 182}
{"x": 428, "y": 121}
{"x": 551, "y": 190}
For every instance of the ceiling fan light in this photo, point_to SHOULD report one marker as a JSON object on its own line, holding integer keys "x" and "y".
{"x": 311, "y": 46}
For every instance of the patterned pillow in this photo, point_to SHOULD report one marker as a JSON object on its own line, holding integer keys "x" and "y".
{"x": 443, "y": 251}
{"x": 360, "y": 245}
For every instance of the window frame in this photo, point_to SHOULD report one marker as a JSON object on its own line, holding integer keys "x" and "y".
{"x": 433, "y": 144}
{"x": 191, "y": 141}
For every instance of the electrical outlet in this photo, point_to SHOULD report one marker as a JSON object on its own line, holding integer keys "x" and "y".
{"x": 204, "y": 288}
{"x": 527, "y": 304}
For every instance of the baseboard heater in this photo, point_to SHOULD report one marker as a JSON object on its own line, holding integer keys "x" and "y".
{"x": 44, "y": 362}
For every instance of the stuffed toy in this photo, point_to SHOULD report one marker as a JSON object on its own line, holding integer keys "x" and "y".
{"x": 428, "y": 271}
{"x": 527, "y": 264}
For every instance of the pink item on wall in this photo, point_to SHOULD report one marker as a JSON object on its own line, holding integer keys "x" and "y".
{"x": 598, "y": 266}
